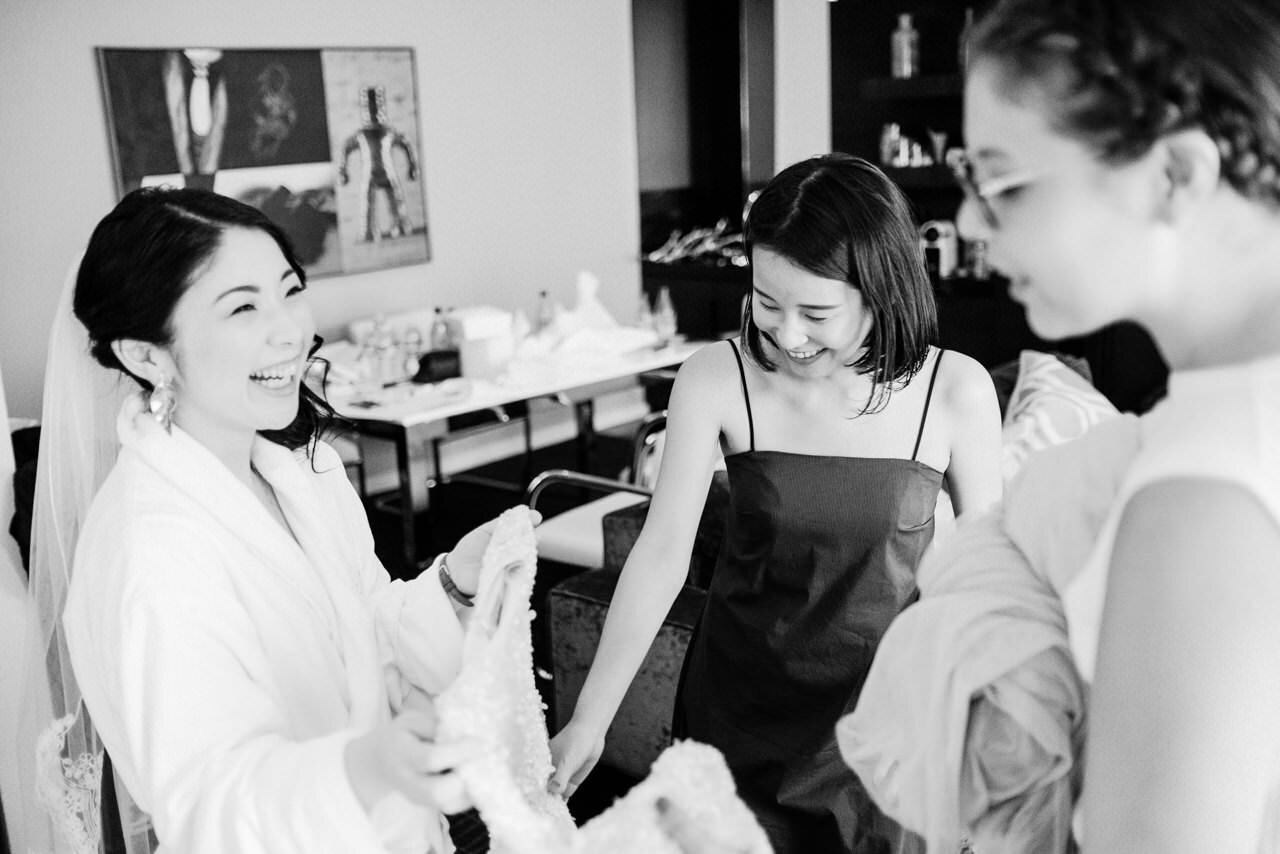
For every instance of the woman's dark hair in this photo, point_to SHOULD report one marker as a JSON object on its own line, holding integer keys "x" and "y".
{"x": 141, "y": 259}
{"x": 1122, "y": 73}
{"x": 839, "y": 217}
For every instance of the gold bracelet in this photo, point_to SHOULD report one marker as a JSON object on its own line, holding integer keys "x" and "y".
{"x": 451, "y": 587}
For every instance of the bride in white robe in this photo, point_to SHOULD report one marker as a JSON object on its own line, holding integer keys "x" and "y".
{"x": 228, "y": 664}
{"x": 254, "y": 674}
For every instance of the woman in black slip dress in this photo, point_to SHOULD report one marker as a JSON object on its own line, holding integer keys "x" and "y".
{"x": 839, "y": 423}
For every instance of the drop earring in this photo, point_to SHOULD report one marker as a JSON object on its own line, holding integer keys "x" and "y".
{"x": 162, "y": 402}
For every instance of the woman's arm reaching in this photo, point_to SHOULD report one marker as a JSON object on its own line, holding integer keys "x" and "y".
{"x": 656, "y": 568}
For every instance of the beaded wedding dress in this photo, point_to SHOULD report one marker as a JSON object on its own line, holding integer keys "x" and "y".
{"x": 494, "y": 702}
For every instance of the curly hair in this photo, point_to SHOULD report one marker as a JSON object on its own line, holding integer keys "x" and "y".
{"x": 839, "y": 217}
{"x": 1140, "y": 69}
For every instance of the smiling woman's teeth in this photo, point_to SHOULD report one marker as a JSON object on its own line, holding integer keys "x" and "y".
{"x": 278, "y": 376}
{"x": 798, "y": 354}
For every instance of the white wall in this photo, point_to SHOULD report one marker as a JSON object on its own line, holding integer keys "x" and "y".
{"x": 802, "y": 69}
{"x": 528, "y": 129}
{"x": 528, "y": 138}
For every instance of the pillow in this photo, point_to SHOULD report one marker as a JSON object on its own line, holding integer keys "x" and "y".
{"x": 1005, "y": 376}
{"x": 1050, "y": 404}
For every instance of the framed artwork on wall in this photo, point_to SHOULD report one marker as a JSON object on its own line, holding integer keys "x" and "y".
{"x": 324, "y": 141}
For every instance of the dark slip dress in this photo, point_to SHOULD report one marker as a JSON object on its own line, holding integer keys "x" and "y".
{"x": 819, "y": 555}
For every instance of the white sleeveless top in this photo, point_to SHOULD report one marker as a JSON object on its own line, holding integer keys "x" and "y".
{"x": 1220, "y": 423}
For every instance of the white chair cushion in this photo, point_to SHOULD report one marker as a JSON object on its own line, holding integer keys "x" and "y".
{"x": 576, "y": 536}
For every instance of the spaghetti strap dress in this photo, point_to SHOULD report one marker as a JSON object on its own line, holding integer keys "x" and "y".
{"x": 819, "y": 555}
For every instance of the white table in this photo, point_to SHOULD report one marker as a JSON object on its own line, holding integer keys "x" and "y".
{"x": 407, "y": 413}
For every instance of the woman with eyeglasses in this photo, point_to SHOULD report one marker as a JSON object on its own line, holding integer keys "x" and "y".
{"x": 838, "y": 420}
{"x": 1124, "y": 164}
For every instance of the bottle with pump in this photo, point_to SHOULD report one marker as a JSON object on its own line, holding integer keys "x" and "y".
{"x": 905, "y": 44}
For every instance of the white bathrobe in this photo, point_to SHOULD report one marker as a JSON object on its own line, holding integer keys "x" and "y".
{"x": 227, "y": 664}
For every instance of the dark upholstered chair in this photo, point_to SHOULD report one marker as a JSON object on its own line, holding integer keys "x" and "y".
{"x": 576, "y": 612}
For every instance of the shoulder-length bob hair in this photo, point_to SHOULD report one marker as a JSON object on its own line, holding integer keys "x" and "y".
{"x": 839, "y": 217}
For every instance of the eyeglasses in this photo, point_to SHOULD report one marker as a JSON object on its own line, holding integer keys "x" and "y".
{"x": 981, "y": 193}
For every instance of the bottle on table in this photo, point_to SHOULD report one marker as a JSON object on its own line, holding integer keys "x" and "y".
{"x": 439, "y": 331}
{"x": 452, "y": 328}
{"x": 644, "y": 313}
{"x": 412, "y": 347}
{"x": 664, "y": 316}
{"x": 546, "y": 316}
{"x": 387, "y": 358}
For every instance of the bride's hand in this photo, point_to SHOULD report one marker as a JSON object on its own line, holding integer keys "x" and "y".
{"x": 402, "y": 755}
{"x": 465, "y": 558}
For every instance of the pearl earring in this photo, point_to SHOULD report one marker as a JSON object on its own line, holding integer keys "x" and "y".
{"x": 162, "y": 402}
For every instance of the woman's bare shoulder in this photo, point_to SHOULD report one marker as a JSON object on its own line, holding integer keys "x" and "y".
{"x": 709, "y": 368}
{"x": 963, "y": 383}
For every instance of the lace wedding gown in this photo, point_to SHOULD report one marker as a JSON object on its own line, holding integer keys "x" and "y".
{"x": 494, "y": 702}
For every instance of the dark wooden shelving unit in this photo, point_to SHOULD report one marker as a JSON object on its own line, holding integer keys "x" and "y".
{"x": 926, "y": 86}
{"x": 975, "y": 317}
{"x": 935, "y": 177}
{"x": 707, "y": 298}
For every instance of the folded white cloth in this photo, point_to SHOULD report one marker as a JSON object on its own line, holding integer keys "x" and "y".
{"x": 971, "y": 721}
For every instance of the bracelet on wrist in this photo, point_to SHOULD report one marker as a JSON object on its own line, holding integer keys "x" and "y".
{"x": 451, "y": 587}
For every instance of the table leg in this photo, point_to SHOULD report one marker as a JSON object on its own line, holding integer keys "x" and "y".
{"x": 407, "y": 534}
{"x": 585, "y": 412}
{"x": 526, "y": 465}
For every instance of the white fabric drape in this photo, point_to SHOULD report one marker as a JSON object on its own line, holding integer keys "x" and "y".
{"x": 58, "y": 751}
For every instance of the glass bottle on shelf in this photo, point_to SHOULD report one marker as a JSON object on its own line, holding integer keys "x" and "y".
{"x": 905, "y": 44}
{"x": 965, "y": 34}
{"x": 979, "y": 266}
{"x": 890, "y": 141}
